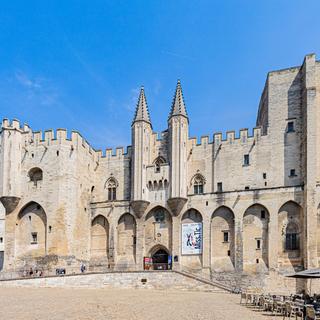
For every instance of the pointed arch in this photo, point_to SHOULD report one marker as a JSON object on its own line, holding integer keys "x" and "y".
{"x": 222, "y": 239}
{"x": 158, "y": 162}
{"x": 127, "y": 238}
{"x": 191, "y": 216}
{"x": 256, "y": 238}
{"x": 99, "y": 237}
{"x": 290, "y": 233}
{"x": 31, "y": 230}
{"x": 158, "y": 228}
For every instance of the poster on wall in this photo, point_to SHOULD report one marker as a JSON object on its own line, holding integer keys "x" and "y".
{"x": 191, "y": 238}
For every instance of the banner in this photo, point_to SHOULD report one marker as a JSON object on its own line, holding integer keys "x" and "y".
{"x": 191, "y": 238}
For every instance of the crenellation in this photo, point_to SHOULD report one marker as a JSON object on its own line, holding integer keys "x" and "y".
{"x": 231, "y": 136}
{"x": 37, "y": 137}
{"x": 61, "y": 135}
{"x": 217, "y": 138}
{"x": 15, "y": 124}
{"x": 48, "y": 137}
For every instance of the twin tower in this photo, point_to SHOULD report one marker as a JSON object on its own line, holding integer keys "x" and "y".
{"x": 146, "y": 150}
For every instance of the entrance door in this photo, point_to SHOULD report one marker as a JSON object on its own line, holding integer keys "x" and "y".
{"x": 160, "y": 260}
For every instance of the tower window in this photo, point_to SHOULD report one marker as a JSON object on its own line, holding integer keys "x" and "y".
{"x": 157, "y": 164}
{"x": 290, "y": 126}
{"x": 219, "y": 187}
{"x": 198, "y": 183}
{"x": 264, "y": 175}
{"x": 246, "y": 160}
{"x": 1, "y": 240}
{"x": 112, "y": 189}
{"x": 35, "y": 175}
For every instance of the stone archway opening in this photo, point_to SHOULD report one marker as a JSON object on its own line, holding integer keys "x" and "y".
{"x": 161, "y": 259}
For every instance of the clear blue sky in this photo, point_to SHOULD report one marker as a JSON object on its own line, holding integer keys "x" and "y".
{"x": 79, "y": 64}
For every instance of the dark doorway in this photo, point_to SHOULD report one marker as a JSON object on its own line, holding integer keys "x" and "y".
{"x": 160, "y": 260}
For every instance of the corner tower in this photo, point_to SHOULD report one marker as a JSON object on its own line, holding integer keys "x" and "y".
{"x": 178, "y": 124}
{"x": 141, "y": 137}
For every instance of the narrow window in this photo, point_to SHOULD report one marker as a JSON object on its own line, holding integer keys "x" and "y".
{"x": 263, "y": 214}
{"x": 292, "y": 172}
{"x": 219, "y": 187}
{"x": 290, "y": 127}
{"x": 225, "y": 236}
{"x": 1, "y": 240}
{"x": 229, "y": 253}
{"x": 264, "y": 175}
{"x": 34, "y": 237}
{"x": 246, "y": 160}
{"x": 258, "y": 244}
{"x": 257, "y": 260}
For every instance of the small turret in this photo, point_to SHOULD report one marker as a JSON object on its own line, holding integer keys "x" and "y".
{"x": 142, "y": 112}
{"x": 178, "y": 106}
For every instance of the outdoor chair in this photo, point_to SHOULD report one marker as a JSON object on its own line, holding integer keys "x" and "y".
{"x": 311, "y": 313}
{"x": 291, "y": 310}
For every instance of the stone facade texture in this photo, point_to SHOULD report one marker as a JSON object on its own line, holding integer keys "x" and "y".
{"x": 257, "y": 194}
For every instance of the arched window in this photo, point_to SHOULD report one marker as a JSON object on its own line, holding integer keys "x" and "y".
{"x": 157, "y": 163}
{"x": 292, "y": 237}
{"x": 35, "y": 175}
{"x": 111, "y": 186}
{"x": 198, "y": 184}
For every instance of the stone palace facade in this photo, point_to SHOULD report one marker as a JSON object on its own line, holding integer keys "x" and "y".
{"x": 252, "y": 197}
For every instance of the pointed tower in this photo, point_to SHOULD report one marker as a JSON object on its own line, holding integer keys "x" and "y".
{"x": 178, "y": 124}
{"x": 141, "y": 137}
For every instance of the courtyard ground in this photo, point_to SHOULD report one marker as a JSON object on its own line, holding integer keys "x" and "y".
{"x": 129, "y": 304}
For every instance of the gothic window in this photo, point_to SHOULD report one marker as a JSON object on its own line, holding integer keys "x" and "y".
{"x": 35, "y": 175}
{"x": 157, "y": 163}
{"x": 292, "y": 237}
{"x": 198, "y": 184}
{"x": 111, "y": 186}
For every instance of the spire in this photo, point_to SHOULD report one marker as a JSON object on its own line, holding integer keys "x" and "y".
{"x": 178, "y": 106}
{"x": 142, "y": 112}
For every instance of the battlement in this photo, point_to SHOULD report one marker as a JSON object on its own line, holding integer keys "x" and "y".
{"x": 61, "y": 136}
{"x": 230, "y": 137}
{"x": 14, "y": 125}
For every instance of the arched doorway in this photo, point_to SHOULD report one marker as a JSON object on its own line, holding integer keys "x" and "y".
{"x": 160, "y": 258}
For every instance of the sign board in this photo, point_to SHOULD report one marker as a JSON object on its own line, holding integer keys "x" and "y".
{"x": 147, "y": 263}
{"x": 191, "y": 238}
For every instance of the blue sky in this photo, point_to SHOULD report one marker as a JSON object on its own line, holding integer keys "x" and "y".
{"x": 79, "y": 64}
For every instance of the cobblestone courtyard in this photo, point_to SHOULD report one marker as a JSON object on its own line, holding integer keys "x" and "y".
{"x": 106, "y": 304}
